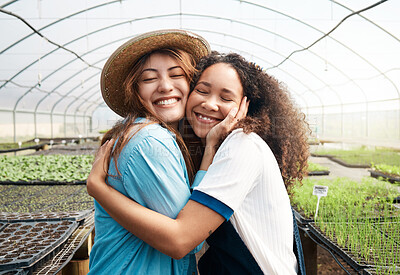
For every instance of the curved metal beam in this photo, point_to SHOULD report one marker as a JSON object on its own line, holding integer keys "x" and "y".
{"x": 242, "y": 22}
{"x": 321, "y": 102}
{"x": 9, "y": 3}
{"x": 320, "y": 31}
{"x": 55, "y": 22}
{"x": 235, "y": 49}
{"x": 252, "y": 26}
{"x": 70, "y": 91}
{"x": 129, "y": 21}
{"x": 83, "y": 100}
{"x": 367, "y": 19}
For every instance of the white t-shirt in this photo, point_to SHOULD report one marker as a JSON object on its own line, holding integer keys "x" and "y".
{"x": 245, "y": 179}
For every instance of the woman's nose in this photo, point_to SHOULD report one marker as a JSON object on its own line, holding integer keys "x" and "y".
{"x": 165, "y": 85}
{"x": 210, "y": 104}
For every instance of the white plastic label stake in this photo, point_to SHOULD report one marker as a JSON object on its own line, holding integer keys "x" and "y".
{"x": 319, "y": 191}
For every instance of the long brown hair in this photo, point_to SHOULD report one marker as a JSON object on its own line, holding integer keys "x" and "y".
{"x": 272, "y": 114}
{"x": 122, "y": 130}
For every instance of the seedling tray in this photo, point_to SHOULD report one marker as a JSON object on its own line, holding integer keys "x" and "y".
{"x": 389, "y": 229}
{"x": 378, "y": 174}
{"x": 44, "y": 198}
{"x": 368, "y": 272}
{"x": 56, "y": 263}
{"x": 33, "y": 147}
{"x": 355, "y": 261}
{"x": 343, "y": 254}
{"x": 318, "y": 173}
{"x": 35, "y": 182}
{"x": 301, "y": 219}
{"x": 44, "y": 217}
{"x": 350, "y": 165}
{"x": 305, "y": 220}
{"x": 380, "y": 270}
{"x": 341, "y": 162}
{"x": 14, "y": 272}
{"x": 26, "y": 244}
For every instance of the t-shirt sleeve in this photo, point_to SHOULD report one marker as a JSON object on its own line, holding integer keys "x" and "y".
{"x": 155, "y": 176}
{"x": 198, "y": 178}
{"x": 232, "y": 174}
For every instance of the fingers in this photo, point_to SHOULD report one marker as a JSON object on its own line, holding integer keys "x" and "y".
{"x": 244, "y": 104}
{"x": 106, "y": 150}
{"x": 232, "y": 114}
{"x": 102, "y": 154}
{"x": 109, "y": 145}
{"x": 106, "y": 147}
{"x": 222, "y": 128}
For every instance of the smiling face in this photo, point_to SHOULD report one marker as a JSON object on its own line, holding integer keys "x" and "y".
{"x": 218, "y": 91}
{"x": 164, "y": 87}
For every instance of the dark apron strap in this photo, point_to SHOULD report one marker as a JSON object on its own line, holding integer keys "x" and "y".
{"x": 227, "y": 254}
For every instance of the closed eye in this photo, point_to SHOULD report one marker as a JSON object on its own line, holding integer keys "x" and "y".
{"x": 226, "y": 99}
{"x": 148, "y": 79}
{"x": 201, "y": 92}
{"x": 177, "y": 75}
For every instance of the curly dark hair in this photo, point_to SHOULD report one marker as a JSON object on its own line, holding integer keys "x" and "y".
{"x": 272, "y": 114}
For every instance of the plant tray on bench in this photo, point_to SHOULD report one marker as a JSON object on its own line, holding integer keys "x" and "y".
{"x": 26, "y": 244}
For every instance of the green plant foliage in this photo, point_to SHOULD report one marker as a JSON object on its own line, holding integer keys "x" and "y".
{"x": 391, "y": 170}
{"x": 368, "y": 242}
{"x": 358, "y": 217}
{"x": 313, "y": 167}
{"x": 347, "y": 199}
{"x": 60, "y": 168}
{"x": 363, "y": 156}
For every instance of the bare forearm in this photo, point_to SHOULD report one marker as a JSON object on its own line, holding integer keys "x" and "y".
{"x": 172, "y": 237}
{"x": 140, "y": 221}
{"x": 209, "y": 153}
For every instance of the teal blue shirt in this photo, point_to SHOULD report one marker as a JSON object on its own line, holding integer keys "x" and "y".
{"x": 153, "y": 173}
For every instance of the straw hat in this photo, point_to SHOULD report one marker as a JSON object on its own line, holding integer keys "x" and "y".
{"x": 119, "y": 64}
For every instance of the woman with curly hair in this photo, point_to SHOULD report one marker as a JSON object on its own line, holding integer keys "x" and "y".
{"x": 245, "y": 181}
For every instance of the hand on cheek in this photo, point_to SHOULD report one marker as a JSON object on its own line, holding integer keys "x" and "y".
{"x": 225, "y": 126}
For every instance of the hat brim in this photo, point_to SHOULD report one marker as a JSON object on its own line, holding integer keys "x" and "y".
{"x": 119, "y": 64}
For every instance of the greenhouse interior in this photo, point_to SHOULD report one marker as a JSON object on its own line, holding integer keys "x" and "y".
{"x": 339, "y": 61}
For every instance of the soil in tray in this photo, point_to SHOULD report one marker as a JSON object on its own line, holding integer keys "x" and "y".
{"x": 37, "y": 199}
{"x": 28, "y": 242}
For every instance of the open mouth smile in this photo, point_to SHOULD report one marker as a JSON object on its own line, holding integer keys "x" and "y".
{"x": 166, "y": 102}
{"x": 206, "y": 119}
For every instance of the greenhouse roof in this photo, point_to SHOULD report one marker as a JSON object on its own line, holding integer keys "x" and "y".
{"x": 335, "y": 57}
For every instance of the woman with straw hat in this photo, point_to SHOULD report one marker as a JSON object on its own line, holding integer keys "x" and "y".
{"x": 146, "y": 81}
